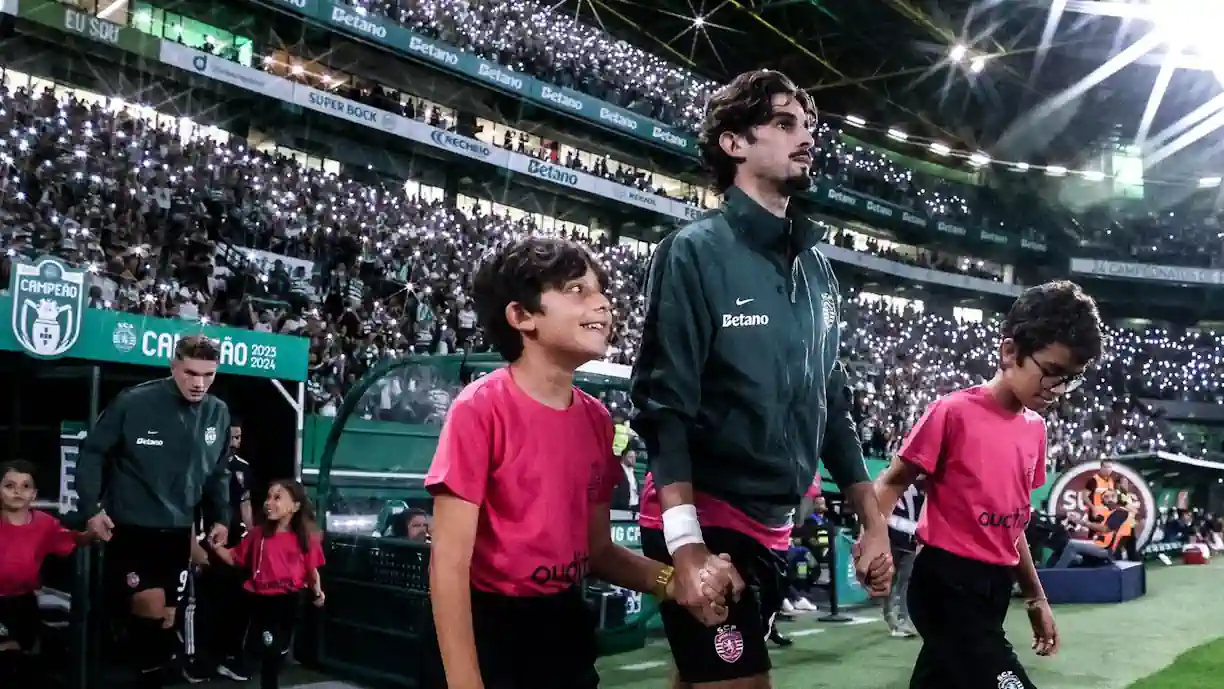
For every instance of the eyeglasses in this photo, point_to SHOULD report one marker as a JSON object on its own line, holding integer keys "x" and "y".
{"x": 1052, "y": 379}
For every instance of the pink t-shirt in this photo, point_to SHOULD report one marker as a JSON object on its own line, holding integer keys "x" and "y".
{"x": 982, "y": 462}
{"x": 535, "y": 472}
{"x": 712, "y": 512}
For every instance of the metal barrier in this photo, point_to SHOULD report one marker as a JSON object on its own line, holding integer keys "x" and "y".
{"x": 377, "y": 615}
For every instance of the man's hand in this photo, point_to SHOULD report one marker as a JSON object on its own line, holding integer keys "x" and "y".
{"x": 1045, "y": 632}
{"x": 873, "y": 561}
{"x": 218, "y": 536}
{"x": 100, "y": 527}
{"x": 199, "y": 556}
{"x": 704, "y": 582}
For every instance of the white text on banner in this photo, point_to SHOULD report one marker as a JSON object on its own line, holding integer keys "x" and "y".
{"x": 213, "y": 67}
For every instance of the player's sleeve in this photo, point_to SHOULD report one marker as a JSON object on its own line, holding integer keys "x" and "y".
{"x": 101, "y": 442}
{"x": 607, "y": 475}
{"x": 676, "y": 336}
{"x": 841, "y": 451}
{"x": 464, "y": 455}
{"x": 216, "y": 490}
{"x": 923, "y": 447}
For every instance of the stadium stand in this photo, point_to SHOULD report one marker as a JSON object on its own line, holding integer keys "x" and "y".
{"x": 154, "y": 225}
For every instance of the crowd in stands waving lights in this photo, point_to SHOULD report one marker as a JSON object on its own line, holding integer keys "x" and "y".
{"x": 146, "y": 208}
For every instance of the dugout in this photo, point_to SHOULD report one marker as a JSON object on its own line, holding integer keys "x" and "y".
{"x": 372, "y": 463}
{"x": 62, "y": 363}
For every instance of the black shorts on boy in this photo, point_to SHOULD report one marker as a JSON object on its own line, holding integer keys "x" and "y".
{"x": 737, "y": 648}
{"x": 527, "y": 642}
{"x": 958, "y": 605}
{"x": 19, "y": 620}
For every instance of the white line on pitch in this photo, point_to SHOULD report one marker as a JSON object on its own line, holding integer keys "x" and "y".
{"x": 637, "y": 667}
{"x": 805, "y": 632}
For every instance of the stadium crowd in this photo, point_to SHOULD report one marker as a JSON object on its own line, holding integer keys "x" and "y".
{"x": 157, "y": 216}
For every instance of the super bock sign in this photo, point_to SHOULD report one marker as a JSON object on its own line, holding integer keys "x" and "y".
{"x": 48, "y": 304}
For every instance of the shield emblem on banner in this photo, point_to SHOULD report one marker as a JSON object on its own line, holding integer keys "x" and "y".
{"x": 48, "y": 304}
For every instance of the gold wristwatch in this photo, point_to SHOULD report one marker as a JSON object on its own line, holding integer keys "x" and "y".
{"x": 659, "y": 590}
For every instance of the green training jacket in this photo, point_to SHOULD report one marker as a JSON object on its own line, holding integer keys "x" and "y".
{"x": 153, "y": 457}
{"x": 737, "y": 386}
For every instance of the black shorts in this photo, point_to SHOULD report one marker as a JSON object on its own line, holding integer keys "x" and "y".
{"x": 139, "y": 559}
{"x": 737, "y": 648}
{"x": 526, "y": 642}
{"x": 958, "y": 606}
{"x": 19, "y": 620}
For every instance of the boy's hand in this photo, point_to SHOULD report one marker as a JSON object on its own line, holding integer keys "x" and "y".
{"x": 319, "y": 598}
{"x": 1045, "y": 631}
{"x": 873, "y": 562}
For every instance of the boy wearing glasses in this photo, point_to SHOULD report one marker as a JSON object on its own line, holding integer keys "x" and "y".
{"x": 983, "y": 451}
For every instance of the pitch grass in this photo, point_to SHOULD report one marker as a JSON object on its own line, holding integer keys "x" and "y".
{"x": 1104, "y": 646}
{"x": 1199, "y": 668}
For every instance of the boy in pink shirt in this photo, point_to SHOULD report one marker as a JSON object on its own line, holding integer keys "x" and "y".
{"x": 522, "y": 481}
{"x": 983, "y": 451}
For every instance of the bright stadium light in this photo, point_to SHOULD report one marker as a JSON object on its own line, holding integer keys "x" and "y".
{"x": 958, "y": 52}
{"x": 979, "y": 159}
{"x": 1208, "y": 182}
{"x": 1022, "y": 167}
{"x": 1093, "y": 175}
{"x": 978, "y": 64}
{"x": 940, "y": 149}
{"x": 897, "y": 134}
{"x": 855, "y": 120}
{"x": 1056, "y": 171}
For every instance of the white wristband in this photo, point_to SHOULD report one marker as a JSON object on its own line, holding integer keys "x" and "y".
{"x": 681, "y": 528}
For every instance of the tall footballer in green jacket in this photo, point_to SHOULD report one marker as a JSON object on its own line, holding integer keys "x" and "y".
{"x": 738, "y": 389}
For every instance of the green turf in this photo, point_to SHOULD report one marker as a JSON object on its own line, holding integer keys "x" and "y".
{"x": 1104, "y": 646}
{"x": 1198, "y": 668}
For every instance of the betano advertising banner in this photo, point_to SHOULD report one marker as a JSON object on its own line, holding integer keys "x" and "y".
{"x": 48, "y": 318}
{"x": 891, "y": 216}
{"x": 388, "y": 34}
{"x": 353, "y": 112}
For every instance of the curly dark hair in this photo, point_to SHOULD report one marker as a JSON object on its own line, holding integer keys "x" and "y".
{"x": 745, "y": 103}
{"x": 1055, "y": 313}
{"x": 522, "y": 272}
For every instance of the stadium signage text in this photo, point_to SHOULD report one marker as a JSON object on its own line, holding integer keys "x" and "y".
{"x": 429, "y": 50}
{"x": 1148, "y": 271}
{"x": 610, "y": 115}
{"x": 97, "y": 29}
{"x": 62, "y": 18}
{"x": 502, "y": 77}
{"x": 552, "y": 173}
{"x": 462, "y": 144}
{"x": 49, "y": 319}
{"x": 988, "y": 236}
{"x": 561, "y": 98}
{"x": 343, "y": 17}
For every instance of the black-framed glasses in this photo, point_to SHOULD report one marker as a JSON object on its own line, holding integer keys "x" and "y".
{"x": 1052, "y": 379}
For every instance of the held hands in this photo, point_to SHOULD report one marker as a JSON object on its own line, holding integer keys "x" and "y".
{"x": 873, "y": 562}
{"x": 100, "y": 527}
{"x": 704, "y": 583}
{"x": 1045, "y": 632}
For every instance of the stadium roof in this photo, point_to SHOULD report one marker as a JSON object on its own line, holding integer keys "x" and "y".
{"x": 1021, "y": 79}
